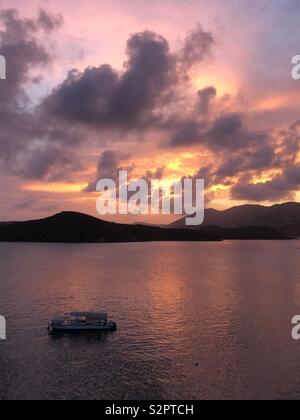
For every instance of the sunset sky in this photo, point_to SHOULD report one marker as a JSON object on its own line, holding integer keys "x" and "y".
{"x": 162, "y": 88}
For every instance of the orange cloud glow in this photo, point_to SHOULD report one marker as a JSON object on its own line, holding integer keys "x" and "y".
{"x": 53, "y": 187}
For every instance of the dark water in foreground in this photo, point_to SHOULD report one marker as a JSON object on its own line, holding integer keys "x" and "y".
{"x": 226, "y": 306}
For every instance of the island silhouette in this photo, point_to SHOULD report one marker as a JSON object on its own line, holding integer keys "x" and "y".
{"x": 239, "y": 223}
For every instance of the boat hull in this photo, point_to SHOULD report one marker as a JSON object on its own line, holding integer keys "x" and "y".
{"x": 81, "y": 328}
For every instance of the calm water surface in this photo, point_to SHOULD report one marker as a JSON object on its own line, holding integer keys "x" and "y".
{"x": 196, "y": 321}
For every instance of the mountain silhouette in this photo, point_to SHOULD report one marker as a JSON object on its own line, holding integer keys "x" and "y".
{"x": 77, "y": 227}
{"x": 71, "y": 227}
{"x": 284, "y": 218}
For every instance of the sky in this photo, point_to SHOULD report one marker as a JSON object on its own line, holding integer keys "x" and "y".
{"x": 164, "y": 89}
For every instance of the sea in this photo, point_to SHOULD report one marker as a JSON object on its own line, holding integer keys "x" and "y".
{"x": 208, "y": 320}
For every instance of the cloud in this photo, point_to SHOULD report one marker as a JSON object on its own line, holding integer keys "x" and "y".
{"x": 186, "y": 132}
{"x": 257, "y": 152}
{"x": 197, "y": 47}
{"x": 26, "y": 203}
{"x": 207, "y": 173}
{"x": 157, "y": 174}
{"x": 24, "y": 137}
{"x": 292, "y": 175}
{"x": 259, "y": 158}
{"x": 205, "y": 98}
{"x": 50, "y": 22}
{"x": 36, "y": 142}
{"x": 37, "y": 203}
{"x": 281, "y": 187}
{"x": 101, "y": 97}
{"x": 111, "y": 162}
{"x": 150, "y": 73}
{"x": 241, "y": 151}
{"x": 268, "y": 191}
{"x": 109, "y": 165}
{"x": 48, "y": 163}
{"x": 228, "y": 132}
{"x": 151, "y": 94}
{"x": 83, "y": 98}
{"x": 19, "y": 46}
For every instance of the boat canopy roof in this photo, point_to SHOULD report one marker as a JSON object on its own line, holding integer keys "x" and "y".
{"x": 95, "y": 315}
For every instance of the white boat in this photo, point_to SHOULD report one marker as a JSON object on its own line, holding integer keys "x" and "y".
{"x": 82, "y": 321}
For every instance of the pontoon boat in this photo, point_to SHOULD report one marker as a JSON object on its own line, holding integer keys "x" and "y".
{"x": 82, "y": 321}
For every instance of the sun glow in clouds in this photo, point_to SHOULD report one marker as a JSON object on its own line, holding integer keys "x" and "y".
{"x": 223, "y": 85}
{"x": 54, "y": 187}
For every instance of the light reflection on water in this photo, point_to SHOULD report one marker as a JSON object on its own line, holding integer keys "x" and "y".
{"x": 200, "y": 320}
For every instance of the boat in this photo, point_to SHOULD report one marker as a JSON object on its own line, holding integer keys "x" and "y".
{"x": 82, "y": 321}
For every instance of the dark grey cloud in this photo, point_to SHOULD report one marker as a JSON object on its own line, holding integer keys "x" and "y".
{"x": 49, "y": 163}
{"x": 84, "y": 98}
{"x": 244, "y": 152}
{"x": 289, "y": 146}
{"x": 145, "y": 85}
{"x": 186, "y": 132}
{"x": 110, "y": 162}
{"x": 30, "y": 146}
{"x": 228, "y": 132}
{"x": 22, "y": 50}
{"x": 109, "y": 165}
{"x": 100, "y": 96}
{"x": 49, "y": 22}
{"x": 260, "y": 158}
{"x": 261, "y": 152}
{"x": 238, "y": 150}
{"x": 292, "y": 176}
{"x": 205, "y": 98}
{"x": 134, "y": 99}
{"x": 207, "y": 173}
{"x": 281, "y": 187}
{"x": 197, "y": 47}
{"x": 257, "y": 153}
{"x": 269, "y": 191}
{"x": 19, "y": 46}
